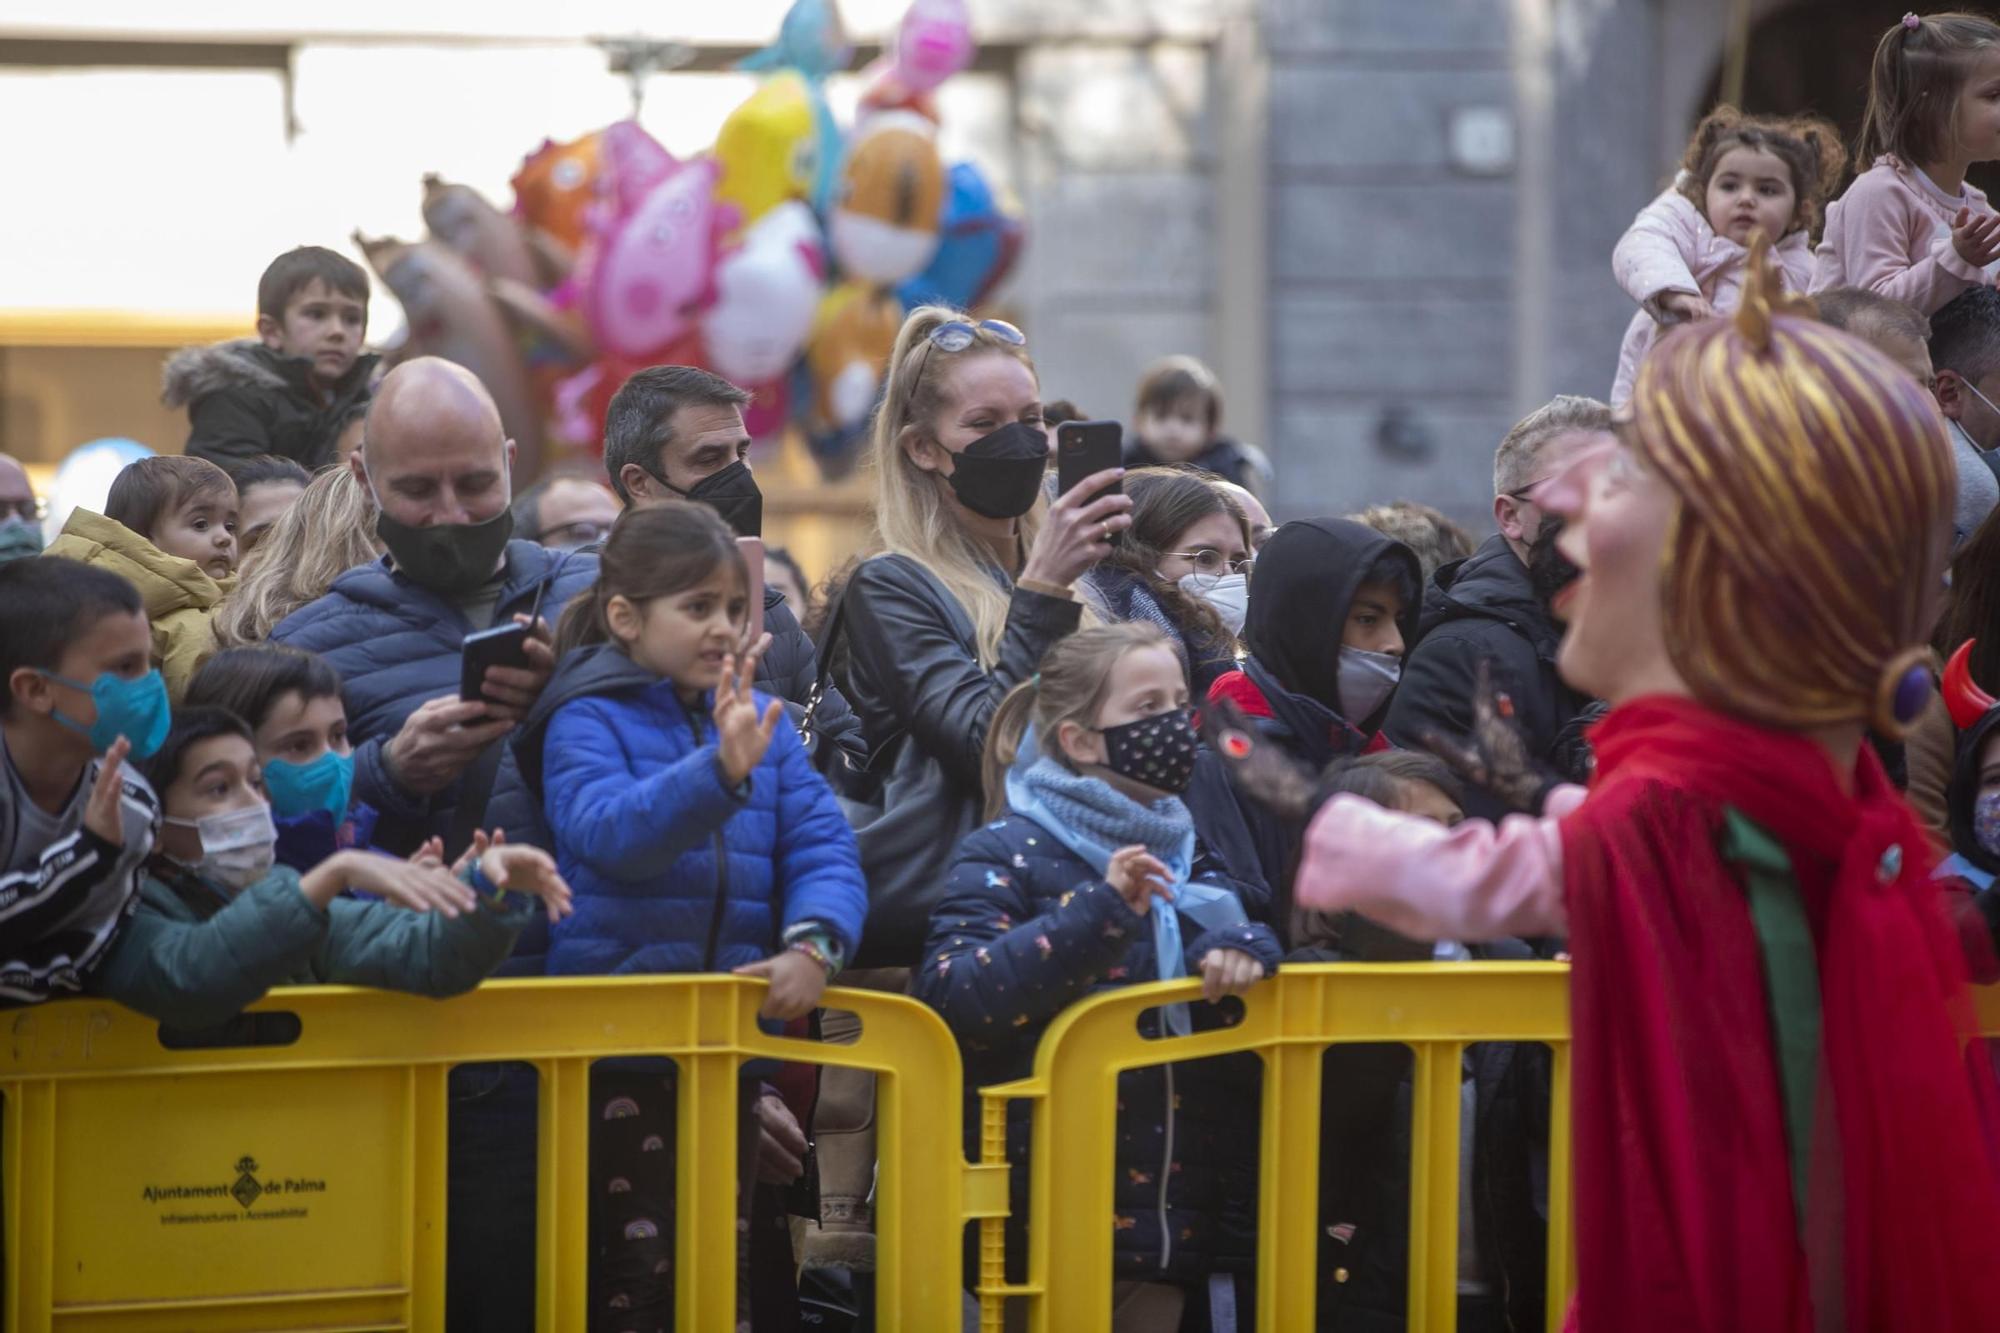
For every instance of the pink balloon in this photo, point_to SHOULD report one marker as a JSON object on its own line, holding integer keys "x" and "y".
{"x": 631, "y": 163}
{"x": 650, "y": 273}
{"x": 765, "y": 415}
{"x": 933, "y": 42}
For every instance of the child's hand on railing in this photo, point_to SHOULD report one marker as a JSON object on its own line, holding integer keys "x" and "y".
{"x": 528, "y": 870}
{"x": 796, "y": 978}
{"x": 1228, "y": 972}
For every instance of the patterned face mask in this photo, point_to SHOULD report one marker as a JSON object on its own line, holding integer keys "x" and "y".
{"x": 1157, "y": 750}
{"x": 1986, "y": 822}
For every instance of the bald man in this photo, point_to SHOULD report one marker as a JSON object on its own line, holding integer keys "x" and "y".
{"x": 436, "y": 460}
{"x": 20, "y": 526}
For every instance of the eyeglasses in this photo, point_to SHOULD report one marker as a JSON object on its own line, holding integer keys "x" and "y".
{"x": 955, "y": 335}
{"x": 1213, "y": 564}
{"x": 580, "y": 533}
{"x": 22, "y": 509}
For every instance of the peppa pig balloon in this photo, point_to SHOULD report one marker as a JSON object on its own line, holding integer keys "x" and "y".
{"x": 932, "y": 43}
{"x": 769, "y": 147}
{"x": 885, "y": 226}
{"x": 767, "y": 292}
{"x": 650, "y": 273}
{"x": 631, "y": 163}
{"x": 977, "y": 246}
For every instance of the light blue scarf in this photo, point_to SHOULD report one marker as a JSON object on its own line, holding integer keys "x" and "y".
{"x": 1094, "y": 819}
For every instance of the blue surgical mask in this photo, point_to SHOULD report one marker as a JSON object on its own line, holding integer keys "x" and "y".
{"x": 19, "y": 537}
{"x": 136, "y": 709}
{"x": 324, "y": 783}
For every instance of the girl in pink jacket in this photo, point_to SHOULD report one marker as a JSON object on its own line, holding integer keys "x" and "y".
{"x": 1910, "y": 227}
{"x": 1682, "y": 257}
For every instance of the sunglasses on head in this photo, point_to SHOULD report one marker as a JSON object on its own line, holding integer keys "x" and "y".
{"x": 955, "y": 335}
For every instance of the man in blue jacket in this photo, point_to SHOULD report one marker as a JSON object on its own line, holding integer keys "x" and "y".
{"x": 438, "y": 462}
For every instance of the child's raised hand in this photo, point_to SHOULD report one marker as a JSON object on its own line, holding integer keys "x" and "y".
{"x": 480, "y": 842}
{"x": 742, "y": 735}
{"x": 430, "y": 854}
{"x": 527, "y": 870}
{"x": 796, "y": 983}
{"x": 1138, "y": 876}
{"x": 1688, "y": 306}
{"x": 1976, "y": 237}
{"x": 100, "y": 812}
{"x": 415, "y": 886}
{"x": 1228, "y": 972}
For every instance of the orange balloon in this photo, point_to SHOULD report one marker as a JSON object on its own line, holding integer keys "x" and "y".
{"x": 554, "y": 186}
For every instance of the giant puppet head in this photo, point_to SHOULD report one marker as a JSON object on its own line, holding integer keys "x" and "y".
{"x": 1792, "y": 492}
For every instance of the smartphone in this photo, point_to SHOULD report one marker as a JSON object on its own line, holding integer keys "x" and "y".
{"x": 503, "y": 646}
{"x": 753, "y": 564}
{"x": 1084, "y": 448}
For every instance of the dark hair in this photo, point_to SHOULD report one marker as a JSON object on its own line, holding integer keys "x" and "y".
{"x": 1913, "y": 86}
{"x": 48, "y": 603}
{"x": 652, "y": 552}
{"x": 146, "y": 488}
{"x": 1965, "y": 333}
{"x": 1166, "y": 501}
{"x": 1168, "y": 382}
{"x": 1809, "y": 146}
{"x": 269, "y": 470}
{"x": 295, "y": 270}
{"x": 1381, "y": 777}
{"x": 1061, "y": 410}
{"x": 1391, "y": 567}
{"x": 1870, "y": 315}
{"x": 248, "y": 680}
{"x": 640, "y": 421}
{"x": 778, "y": 555}
{"x": 191, "y": 726}
{"x": 1973, "y": 609}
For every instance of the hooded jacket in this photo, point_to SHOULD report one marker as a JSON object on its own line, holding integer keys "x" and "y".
{"x": 180, "y": 596}
{"x": 245, "y": 400}
{"x": 673, "y": 870}
{"x": 1483, "y": 609}
{"x": 1306, "y": 580}
{"x": 396, "y": 645}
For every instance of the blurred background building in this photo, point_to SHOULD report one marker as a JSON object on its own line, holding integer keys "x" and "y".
{"x": 1387, "y": 223}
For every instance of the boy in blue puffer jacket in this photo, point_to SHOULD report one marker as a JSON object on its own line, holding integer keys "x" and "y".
{"x": 697, "y": 837}
{"x": 1094, "y": 875}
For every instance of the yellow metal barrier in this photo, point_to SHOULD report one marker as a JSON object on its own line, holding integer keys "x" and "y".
{"x": 303, "y": 1186}
{"x": 1435, "y": 1009}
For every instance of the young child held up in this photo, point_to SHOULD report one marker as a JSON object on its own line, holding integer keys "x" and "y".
{"x": 294, "y": 388}
{"x": 220, "y": 922}
{"x": 1179, "y": 420}
{"x": 298, "y": 724}
{"x": 168, "y": 528}
{"x": 1682, "y": 258}
{"x": 1092, "y": 876}
{"x": 76, "y": 823}
{"x": 1910, "y": 227}
{"x": 698, "y": 835}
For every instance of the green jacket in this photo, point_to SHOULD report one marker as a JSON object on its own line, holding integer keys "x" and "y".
{"x": 192, "y": 957}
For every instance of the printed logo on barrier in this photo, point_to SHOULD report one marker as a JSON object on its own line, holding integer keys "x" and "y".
{"x": 282, "y": 1197}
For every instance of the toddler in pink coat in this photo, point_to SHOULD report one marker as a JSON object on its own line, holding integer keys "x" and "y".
{"x": 1910, "y": 227}
{"x": 1682, "y": 258}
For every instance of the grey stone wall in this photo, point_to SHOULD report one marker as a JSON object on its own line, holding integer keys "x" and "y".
{"x": 1392, "y": 297}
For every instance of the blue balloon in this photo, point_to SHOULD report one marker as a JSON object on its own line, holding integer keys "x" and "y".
{"x": 83, "y": 480}
{"x": 977, "y": 245}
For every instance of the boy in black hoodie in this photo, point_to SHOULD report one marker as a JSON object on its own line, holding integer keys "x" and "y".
{"x": 289, "y": 391}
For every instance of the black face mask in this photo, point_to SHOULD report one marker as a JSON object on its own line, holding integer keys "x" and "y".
{"x": 1549, "y": 570}
{"x": 731, "y": 493}
{"x": 999, "y": 475}
{"x": 1157, "y": 750}
{"x": 450, "y": 559}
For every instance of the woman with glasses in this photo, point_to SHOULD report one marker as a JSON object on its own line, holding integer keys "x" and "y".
{"x": 1184, "y": 565}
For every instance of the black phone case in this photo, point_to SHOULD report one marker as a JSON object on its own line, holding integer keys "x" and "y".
{"x": 503, "y": 645}
{"x": 1085, "y": 448}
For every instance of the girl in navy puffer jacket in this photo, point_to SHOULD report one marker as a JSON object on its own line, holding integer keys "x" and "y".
{"x": 1093, "y": 876}
{"x": 700, "y": 838}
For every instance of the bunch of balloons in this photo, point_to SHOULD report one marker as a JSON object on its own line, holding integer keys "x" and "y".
{"x": 783, "y": 259}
